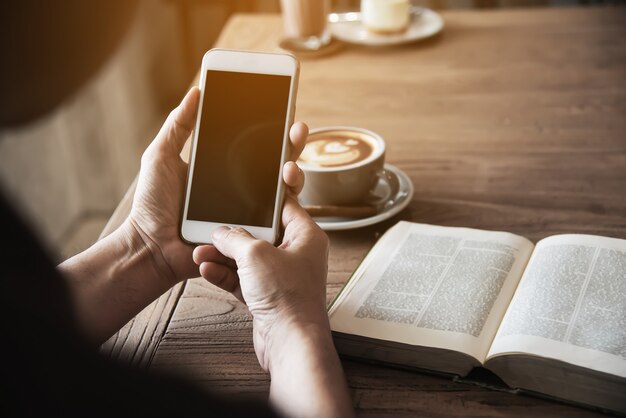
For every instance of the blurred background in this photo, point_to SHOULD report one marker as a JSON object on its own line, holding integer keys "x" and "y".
{"x": 86, "y": 86}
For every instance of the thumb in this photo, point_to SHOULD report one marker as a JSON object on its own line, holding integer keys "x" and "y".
{"x": 233, "y": 242}
{"x": 179, "y": 124}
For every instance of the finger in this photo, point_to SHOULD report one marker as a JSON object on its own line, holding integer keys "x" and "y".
{"x": 298, "y": 224}
{"x": 294, "y": 217}
{"x": 221, "y": 276}
{"x": 233, "y": 242}
{"x": 293, "y": 212}
{"x": 298, "y": 134}
{"x": 293, "y": 177}
{"x": 179, "y": 124}
{"x": 208, "y": 253}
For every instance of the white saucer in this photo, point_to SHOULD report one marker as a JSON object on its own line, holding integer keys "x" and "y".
{"x": 393, "y": 206}
{"x": 351, "y": 30}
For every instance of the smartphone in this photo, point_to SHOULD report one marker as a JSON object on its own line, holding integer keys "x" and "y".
{"x": 240, "y": 144}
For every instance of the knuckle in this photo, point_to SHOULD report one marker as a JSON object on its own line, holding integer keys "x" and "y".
{"x": 147, "y": 155}
{"x": 221, "y": 279}
{"x": 230, "y": 233}
{"x": 147, "y": 158}
{"x": 258, "y": 248}
{"x": 326, "y": 244}
{"x": 171, "y": 116}
{"x": 321, "y": 237}
{"x": 151, "y": 155}
{"x": 236, "y": 230}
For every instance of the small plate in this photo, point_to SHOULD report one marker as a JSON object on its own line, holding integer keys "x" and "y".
{"x": 393, "y": 206}
{"x": 426, "y": 24}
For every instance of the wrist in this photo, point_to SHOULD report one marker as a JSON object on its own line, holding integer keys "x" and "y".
{"x": 147, "y": 253}
{"x": 306, "y": 374}
{"x": 112, "y": 281}
{"x": 306, "y": 332}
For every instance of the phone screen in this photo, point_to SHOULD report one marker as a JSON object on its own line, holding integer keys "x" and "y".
{"x": 238, "y": 153}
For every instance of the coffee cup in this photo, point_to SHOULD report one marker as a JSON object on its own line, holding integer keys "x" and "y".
{"x": 385, "y": 16}
{"x": 342, "y": 167}
{"x": 306, "y": 24}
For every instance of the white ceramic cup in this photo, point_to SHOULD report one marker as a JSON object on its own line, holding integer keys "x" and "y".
{"x": 351, "y": 184}
{"x": 385, "y": 16}
{"x": 306, "y": 23}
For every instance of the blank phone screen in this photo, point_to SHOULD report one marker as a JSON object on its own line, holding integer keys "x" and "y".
{"x": 238, "y": 153}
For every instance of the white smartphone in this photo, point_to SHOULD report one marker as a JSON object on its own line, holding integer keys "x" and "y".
{"x": 240, "y": 144}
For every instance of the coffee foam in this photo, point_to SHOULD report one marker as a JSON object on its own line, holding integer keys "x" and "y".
{"x": 337, "y": 149}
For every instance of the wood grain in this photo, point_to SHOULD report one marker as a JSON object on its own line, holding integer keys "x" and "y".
{"x": 509, "y": 120}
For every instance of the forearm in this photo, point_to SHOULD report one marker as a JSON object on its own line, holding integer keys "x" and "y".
{"x": 307, "y": 377}
{"x": 111, "y": 282}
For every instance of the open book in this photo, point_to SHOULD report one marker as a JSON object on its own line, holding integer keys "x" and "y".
{"x": 549, "y": 318}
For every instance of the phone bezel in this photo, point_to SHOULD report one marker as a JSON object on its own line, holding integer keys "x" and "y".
{"x": 199, "y": 232}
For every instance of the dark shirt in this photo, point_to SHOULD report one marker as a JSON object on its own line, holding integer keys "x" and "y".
{"x": 48, "y": 367}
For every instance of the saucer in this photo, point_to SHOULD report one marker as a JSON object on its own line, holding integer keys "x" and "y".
{"x": 332, "y": 47}
{"x": 394, "y": 205}
{"x": 351, "y": 30}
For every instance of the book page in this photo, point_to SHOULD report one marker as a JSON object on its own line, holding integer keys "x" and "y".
{"x": 433, "y": 286}
{"x": 571, "y": 304}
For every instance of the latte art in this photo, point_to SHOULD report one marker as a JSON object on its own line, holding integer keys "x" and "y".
{"x": 334, "y": 149}
{"x": 342, "y": 165}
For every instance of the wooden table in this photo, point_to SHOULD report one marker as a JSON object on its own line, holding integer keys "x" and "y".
{"x": 510, "y": 120}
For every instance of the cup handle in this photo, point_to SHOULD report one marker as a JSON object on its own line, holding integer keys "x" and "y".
{"x": 393, "y": 186}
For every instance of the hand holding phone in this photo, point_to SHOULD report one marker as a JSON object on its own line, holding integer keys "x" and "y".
{"x": 240, "y": 143}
